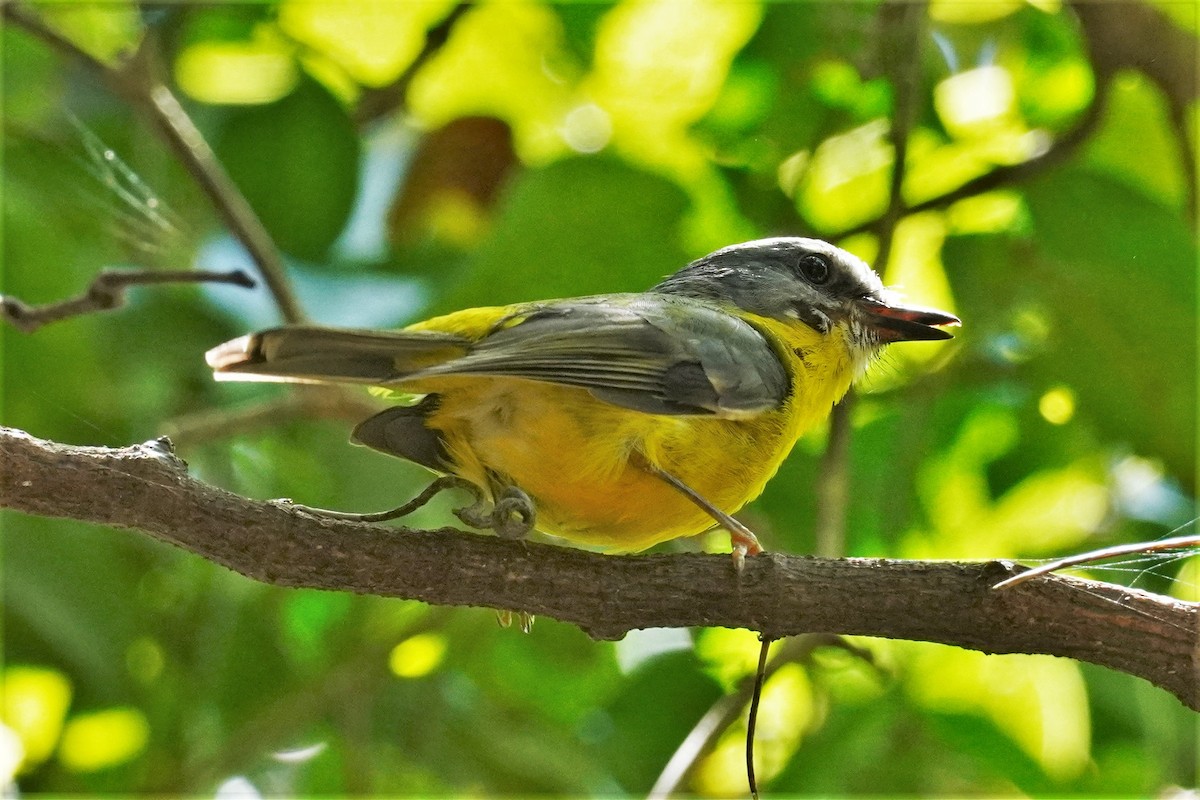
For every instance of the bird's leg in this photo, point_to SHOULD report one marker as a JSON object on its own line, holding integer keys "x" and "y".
{"x": 745, "y": 543}
{"x": 439, "y": 485}
{"x": 511, "y": 516}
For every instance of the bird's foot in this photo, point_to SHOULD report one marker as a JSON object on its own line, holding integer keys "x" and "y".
{"x": 512, "y": 516}
{"x": 745, "y": 543}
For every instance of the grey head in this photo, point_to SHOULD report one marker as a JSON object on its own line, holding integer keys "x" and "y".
{"x": 794, "y": 279}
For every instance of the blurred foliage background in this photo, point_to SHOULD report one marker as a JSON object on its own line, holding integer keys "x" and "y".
{"x": 414, "y": 157}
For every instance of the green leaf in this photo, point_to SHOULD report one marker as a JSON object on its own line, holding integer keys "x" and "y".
{"x": 657, "y": 708}
{"x": 296, "y": 160}
{"x": 577, "y": 227}
{"x": 69, "y": 590}
{"x": 1118, "y": 271}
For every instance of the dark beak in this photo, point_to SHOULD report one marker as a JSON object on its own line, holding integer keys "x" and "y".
{"x": 893, "y": 322}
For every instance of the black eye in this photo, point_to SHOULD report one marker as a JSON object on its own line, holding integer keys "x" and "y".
{"x": 815, "y": 268}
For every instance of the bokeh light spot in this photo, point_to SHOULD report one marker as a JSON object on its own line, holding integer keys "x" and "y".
{"x": 35, "y": 702}
{"x": 102, "y": 739}
{"x": 417, "y": 656}
{"x": 1057, "y": 406}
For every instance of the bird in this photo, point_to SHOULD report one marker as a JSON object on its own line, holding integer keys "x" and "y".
{"x": 617, "y": 420}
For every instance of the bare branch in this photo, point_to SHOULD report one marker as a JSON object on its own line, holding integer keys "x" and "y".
{"x": 107, "y": 292}
{"x": 133, "y": 81}
{"x": 1180, "y": 543}
{"x": 145, "y": 487}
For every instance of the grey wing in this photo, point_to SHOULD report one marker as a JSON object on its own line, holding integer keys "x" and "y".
{"x": 651, "y": 353}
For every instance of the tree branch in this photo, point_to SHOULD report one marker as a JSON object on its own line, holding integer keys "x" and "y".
{"x": 133, "y": 82}
{"x": 107, "y": 292}
{"x": 147, "y": 488}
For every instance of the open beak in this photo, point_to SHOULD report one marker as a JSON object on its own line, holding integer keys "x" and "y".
{"x": 893, "y": 322}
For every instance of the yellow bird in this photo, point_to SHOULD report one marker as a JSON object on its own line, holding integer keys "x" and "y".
{"x": 623, "y": 420}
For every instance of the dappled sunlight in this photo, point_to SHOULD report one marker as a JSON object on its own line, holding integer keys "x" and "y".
{"x": 257, "y": 70}
{"x": 958, "y": 12}
{"x": 1143, "y": 490}
{"x": 936, "y": 166}
{"x": 1040, "y": 702}
{"x": 729, "y": 654}
{"x": 105, "y": 30}
{"x": 100, "y": 739}
{"x": 35, "y": 702}
{"x": 657, "y": 71}
{"x": 839, "y": 85}
{"x": 851, "y": 678}
{"x": 504, "y": 60}
{"x": 417, "y": 656}
{"x": 978, "y": 108}
{"x": 847, "y": 178}
{"x": 1186, "y": 585}
{"x": 372, "y": 40}
{"x": 1058, "y": 92}
{"x": 915, "y": 268}
{"x": 1047, "y": 512}
{"x": 414, "y": 157}
{"x": 587, "y": 128}
{"x": 641, "y": 646}
{"x": 12, "y": 754}
{"x": 1057, "y": 405}
{"x": 993, "y": 212}
{"x": 916, "y": 274}
{"x": 977, "y": 103}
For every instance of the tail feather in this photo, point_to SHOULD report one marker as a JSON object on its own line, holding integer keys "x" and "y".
{"x": 309, "y": 354}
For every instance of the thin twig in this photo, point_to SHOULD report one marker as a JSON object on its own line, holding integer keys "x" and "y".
{"x": 901, "y": 30}
{"x": 728, "y": 709}
{"x": 1135, "y": 548}
{"x": 901, "y": 27}
{"x": 132, "y": 81}
{"x": 760, "y": 677}
{"x": 107, "y": 292}
{"x": 902, "y": 33}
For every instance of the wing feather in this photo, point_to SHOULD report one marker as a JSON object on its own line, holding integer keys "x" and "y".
{"x": 653, "y": 353}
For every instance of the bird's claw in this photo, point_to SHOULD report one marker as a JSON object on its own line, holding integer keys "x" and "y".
{"x": 511, "y": 517}
{"x": 524, "y": 619}
{"x": 745, "y": 543}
